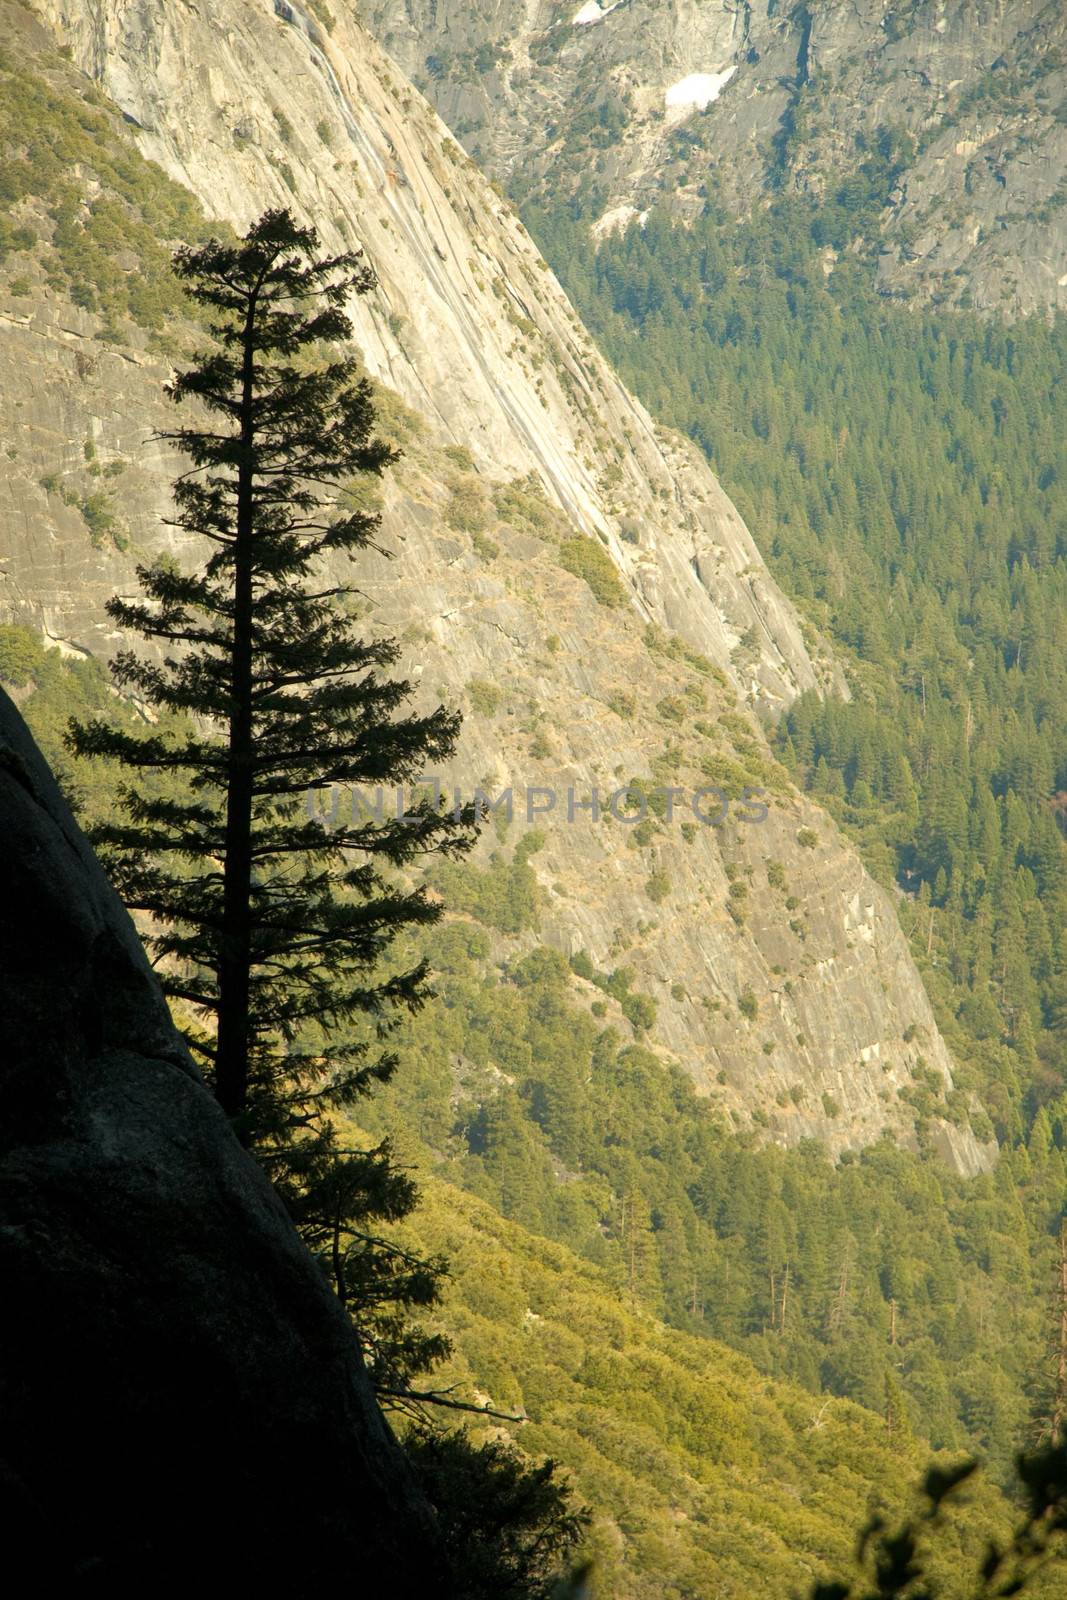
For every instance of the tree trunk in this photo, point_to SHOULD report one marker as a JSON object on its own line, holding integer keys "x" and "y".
{"x": 231, "y": 1061}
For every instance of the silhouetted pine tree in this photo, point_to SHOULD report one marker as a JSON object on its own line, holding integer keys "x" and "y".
{"x": 270, "y": 926}
{"x": 508, "y": 1527}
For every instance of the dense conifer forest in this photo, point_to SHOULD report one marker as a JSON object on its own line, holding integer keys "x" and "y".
{"x": 904, "y": 472}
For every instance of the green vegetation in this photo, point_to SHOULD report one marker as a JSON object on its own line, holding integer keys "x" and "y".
{"x": 484, "y": 697}
{"x": 705, "y": 1478}
{"x": 505, "y": 895}
{"x": 98, "y": 510}
{"x": 271, "y": 932}
{"x": 110, "y": 253}
{"x": 910, "y": 473}
{"x": 254, "y": 626}
{"x": 58, "y": 688}
{"x": 589, "y": 560}
{"x": 883, "y": 1276}
{"x": 468, "y": 507}
{"x": 262, "y": 932}
{"x": 907, "y": 474}
{"x": 896, "y": 1559}
{"x": 658, "y": 887}
{"x": 748, "y": 1005}
{"x": 671, "y": 1215}
{"x": 525, "y": 506}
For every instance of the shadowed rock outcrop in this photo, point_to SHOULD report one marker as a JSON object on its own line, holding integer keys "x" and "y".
{"x": 181, "y": 1397}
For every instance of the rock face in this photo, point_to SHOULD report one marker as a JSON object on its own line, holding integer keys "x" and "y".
{"x": 521, "y": 442}
{"x": 665, "y": 101}
{"x": 469, "y": 326}
{"x": 181, "y": 1394}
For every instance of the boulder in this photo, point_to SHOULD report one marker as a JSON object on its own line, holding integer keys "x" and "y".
{"x": 182, "y": 1399}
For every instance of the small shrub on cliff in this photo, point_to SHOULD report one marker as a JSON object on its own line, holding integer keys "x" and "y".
{"x": 587, "y": 559}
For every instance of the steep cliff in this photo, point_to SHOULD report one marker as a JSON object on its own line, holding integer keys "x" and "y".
{"x": 468, "y": 326}
{"x": 570, "y": 573}
{"x": 947, "y": 117}
{"x": 180, "y": 1389}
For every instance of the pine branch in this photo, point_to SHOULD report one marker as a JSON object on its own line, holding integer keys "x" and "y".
{"x": 440, "y": 1397}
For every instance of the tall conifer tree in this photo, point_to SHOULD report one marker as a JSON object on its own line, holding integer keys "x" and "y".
{"x": 271, "y": 926}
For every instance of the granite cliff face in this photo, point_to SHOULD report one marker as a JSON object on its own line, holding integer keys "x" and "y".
{"x": 569, "y": 574}
{"x": 250, "y": 105}
{"x": 643, "y": 103}
{"x": 173, "y": 1365}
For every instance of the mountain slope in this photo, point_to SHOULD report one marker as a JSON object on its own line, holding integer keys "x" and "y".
{"x": 776, "y": 966}
{"x": 705, "y": 1478}
{"x": 468, "y": 325}
{"x": 882, "y": 1278}
{"x": 945, "y": 121}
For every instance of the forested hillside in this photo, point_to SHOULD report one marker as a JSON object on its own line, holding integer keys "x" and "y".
{"x": 701, "y": 1474}
{"x": 704, "y": 1478}
{"x": 905, "y": 473}
{"x": 927, "y": 1299}
{"x": 911, "y": 473}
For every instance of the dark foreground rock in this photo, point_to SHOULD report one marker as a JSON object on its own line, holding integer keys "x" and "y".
{"x": 181, "y": 1399}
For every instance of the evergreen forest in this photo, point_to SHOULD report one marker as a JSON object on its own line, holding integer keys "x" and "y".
{"x": 904, "y": 472}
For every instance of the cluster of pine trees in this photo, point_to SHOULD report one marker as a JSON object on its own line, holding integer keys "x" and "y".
{"x": 883, "y": 1278}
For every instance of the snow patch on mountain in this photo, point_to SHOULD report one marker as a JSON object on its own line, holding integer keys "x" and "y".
{"x": 699, "y": 89}
{"x": 592, "y": 13}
